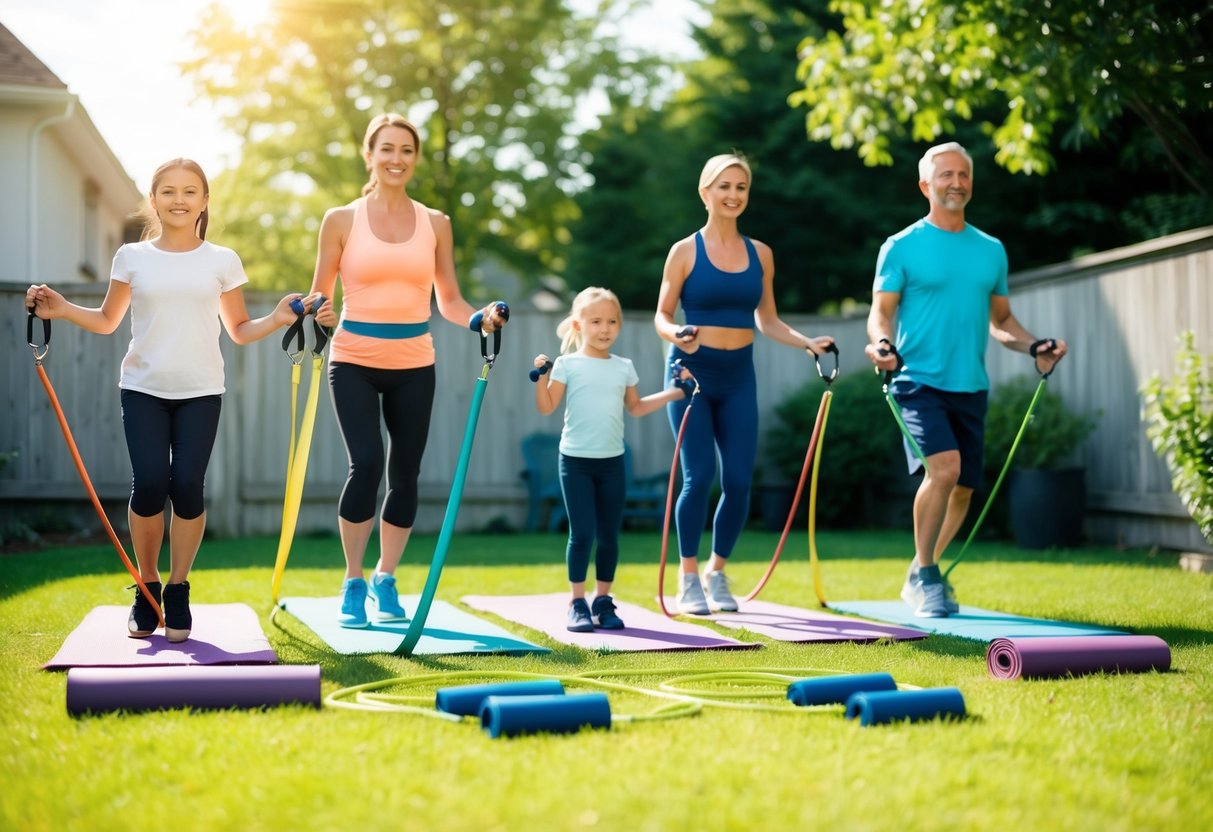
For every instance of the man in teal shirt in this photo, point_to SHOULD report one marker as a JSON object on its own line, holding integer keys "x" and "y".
{"x": 944, "y": 283}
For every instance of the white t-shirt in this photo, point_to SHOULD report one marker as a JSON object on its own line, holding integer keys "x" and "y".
{"x": 593, "y": 410}
{"x": 174, "y": 351}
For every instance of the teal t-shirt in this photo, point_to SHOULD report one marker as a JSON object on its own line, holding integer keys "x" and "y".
{"x": 945, "y": 280}
{"x": 593, "y": 403}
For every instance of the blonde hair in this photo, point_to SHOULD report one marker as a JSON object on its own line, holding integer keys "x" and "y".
{"x": 718, "y": 164}
{"x": 570, "y": 336}
{"x": 926, "y": 165}
{"x": 372, "y": 132}
{"x": 147, "y": 213}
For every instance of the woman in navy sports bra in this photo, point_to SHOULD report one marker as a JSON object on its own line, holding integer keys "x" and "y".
{"x": 724, "y": 283}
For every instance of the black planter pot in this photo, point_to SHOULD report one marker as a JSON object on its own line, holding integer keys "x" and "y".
{"x": 1047, "y": 507}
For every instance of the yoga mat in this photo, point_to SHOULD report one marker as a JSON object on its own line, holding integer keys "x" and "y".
{"x": 511, "y": 716}
{"x": 466, "y": 700}
{"x": 793, "y": 624}
{"x": 448, "y": 630}
{"x": 835, "y": 690}
{"x": 644, "y": 630}
{"x": 100, "y": 689}
{"x": 880, "y": 707}
{"x": 222, "y": 634}
{"x": 1043, "y": 658}
{"x": 971, "y": 622}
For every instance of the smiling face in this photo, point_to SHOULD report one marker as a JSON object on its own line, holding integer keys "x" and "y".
{"x": 951, "y": 184}
{"x": 392, "y": 155}
{"x": 179, "y": 197}
{"x": 599, "y": 324}
{"x": 728, "y": 194}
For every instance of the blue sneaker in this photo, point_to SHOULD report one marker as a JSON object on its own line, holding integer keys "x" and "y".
{"x": 603, "y": 615}
{"x": 579, "y": 617}
{"x": 353, "y": 604}
{"x": 382, "y": 591}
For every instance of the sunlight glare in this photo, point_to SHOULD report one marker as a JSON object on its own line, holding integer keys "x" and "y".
{"x": 247, "y": 14}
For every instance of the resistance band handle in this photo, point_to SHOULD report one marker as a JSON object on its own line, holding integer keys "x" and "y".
{"x": 817, "y": 360}
{"x": 889, "y": 349}
{"x": 687, "y": 331}
{"x": 540, "y": 371}
{"x": 1048, "y": 344}
{"x": 40, "y": 350}
{"x": 502, "y": 309}
{"x": 295, "y": 330}
{"x": 688, "y": 386}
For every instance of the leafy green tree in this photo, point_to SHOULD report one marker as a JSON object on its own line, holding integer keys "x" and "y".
{"x": 494, "y": 87}
{"x": 1069, "y": 67}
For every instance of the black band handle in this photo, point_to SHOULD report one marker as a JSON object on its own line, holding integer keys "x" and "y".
{"x": 40, "y": 350}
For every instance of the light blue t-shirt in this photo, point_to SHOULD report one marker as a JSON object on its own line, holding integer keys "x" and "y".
{"x": 945, "y": 280}
{"x": 593, "y": 403}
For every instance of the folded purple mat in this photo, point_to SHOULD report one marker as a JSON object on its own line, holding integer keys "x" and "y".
{"x": 222, "y": 634}
{"x": 1014, "y": 658}
{"x": 644, "y": 630}
{"x": 795, "y": 624}
{"x": 100, "y": 689}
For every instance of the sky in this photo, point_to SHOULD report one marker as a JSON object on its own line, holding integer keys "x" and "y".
{"x": 121, "y": 58}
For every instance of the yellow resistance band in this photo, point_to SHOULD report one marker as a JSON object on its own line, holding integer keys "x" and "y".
{"x": 815, "y": 566}
{"x": 296, "y": 465}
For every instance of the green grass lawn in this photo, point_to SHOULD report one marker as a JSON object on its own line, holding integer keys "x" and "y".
{"x": 1130, "y": 752}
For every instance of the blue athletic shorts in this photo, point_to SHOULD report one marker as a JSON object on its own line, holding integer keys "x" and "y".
{"x": 939, "y": 421}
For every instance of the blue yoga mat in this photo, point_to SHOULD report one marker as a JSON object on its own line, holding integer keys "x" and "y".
{"x": 971, "y": 622}
{"x": 448, "y": 630}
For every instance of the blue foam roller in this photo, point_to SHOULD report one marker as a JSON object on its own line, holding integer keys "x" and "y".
{"x": 467, "y": 699}
{"x": 879, "y": 707}
{"x": 835, "y": 690}
{"x": 509, "y": 716}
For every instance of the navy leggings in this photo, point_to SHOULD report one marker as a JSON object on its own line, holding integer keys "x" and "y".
{"x": 407, "y": 397}
{"x": 170, "y": 442}
{"x": 724, "y": 422}
{"x": 593, "y": 497}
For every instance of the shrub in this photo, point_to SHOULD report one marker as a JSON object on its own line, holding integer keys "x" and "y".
{"x": 1179, "y": 422}
{"x": 1051, "y": 439}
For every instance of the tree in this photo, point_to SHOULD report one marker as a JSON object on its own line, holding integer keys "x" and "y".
{"x": 494, "y": 88}
{"x": 1062, "y": 66}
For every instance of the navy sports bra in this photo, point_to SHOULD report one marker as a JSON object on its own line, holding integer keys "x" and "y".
{"x": 712, "y": 297}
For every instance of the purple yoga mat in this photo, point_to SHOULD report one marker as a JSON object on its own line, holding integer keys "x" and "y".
{"x": 782, "y": 623}
{"x": 100, "y": 689}
{"x": 222, "y": 634}
{"x": 1014, "y": 658}
{"x": 644, "y": 630}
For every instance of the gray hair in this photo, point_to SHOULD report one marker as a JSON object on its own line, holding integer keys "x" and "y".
{"x": 926, "y": 165}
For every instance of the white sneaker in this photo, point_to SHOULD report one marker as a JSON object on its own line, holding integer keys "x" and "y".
{"x": 949, "y": 594}
{"x": 716, "y": 587}
{"x": 926, "y": 599}
{"x": 690, "y": 595}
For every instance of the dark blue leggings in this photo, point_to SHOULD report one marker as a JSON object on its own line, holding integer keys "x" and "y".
{"x": 724, "y": 422}
{"x": 593, "y": 497}
{"x": 407, "y": 397}
{"x": 170, "y": 442}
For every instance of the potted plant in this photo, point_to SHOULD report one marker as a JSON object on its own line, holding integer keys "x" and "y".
{"x": 1046, "y": 485}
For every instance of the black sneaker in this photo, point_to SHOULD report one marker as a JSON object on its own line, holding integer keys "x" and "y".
{"x": 177, "y": 618}
{"x": 143, "y": 620}
{"x": 602, "y": 613}
{"x": 579, "y": 617}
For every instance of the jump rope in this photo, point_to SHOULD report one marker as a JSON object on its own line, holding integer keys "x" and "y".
{"x": 40, "y": 352}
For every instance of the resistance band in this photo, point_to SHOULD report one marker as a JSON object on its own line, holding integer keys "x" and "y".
{"x": 417, "y": 623}
{"x": 905, "y": 431}
{"x": 297, "y": 455}
{"x": 40, "y": 352}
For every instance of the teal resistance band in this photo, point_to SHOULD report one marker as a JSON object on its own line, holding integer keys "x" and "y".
{"x": 417, "y": 624}
{"x": 389, "y": 331}
{"x": 905, "y": 431}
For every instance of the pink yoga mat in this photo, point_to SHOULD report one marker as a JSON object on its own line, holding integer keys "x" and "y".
{"x": 1014, "y": 658}
{"x": 222, "y": 634}
{"x": 100, "y": 689}
{"x": 783, "y": 623}
{"x": 645, "y": 630}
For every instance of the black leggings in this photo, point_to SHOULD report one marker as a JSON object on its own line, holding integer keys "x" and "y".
{"x": 170, "y": 442}
{"x": 407, "y": 398}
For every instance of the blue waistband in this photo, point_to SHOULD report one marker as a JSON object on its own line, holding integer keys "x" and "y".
{"x": 393, "y": 331}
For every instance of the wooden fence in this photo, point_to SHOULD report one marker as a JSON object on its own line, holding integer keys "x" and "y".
{"x": 1119, "y": 310}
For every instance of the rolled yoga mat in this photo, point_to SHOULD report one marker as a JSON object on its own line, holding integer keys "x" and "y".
{"x": 466, "y": 700}
{"x": 879, "y": 707}
{"x": 100, "y": 689}
{"x": 1043, "y": 658}
{"x": 510, "y": 716}
{"x": 835, "y": 690}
